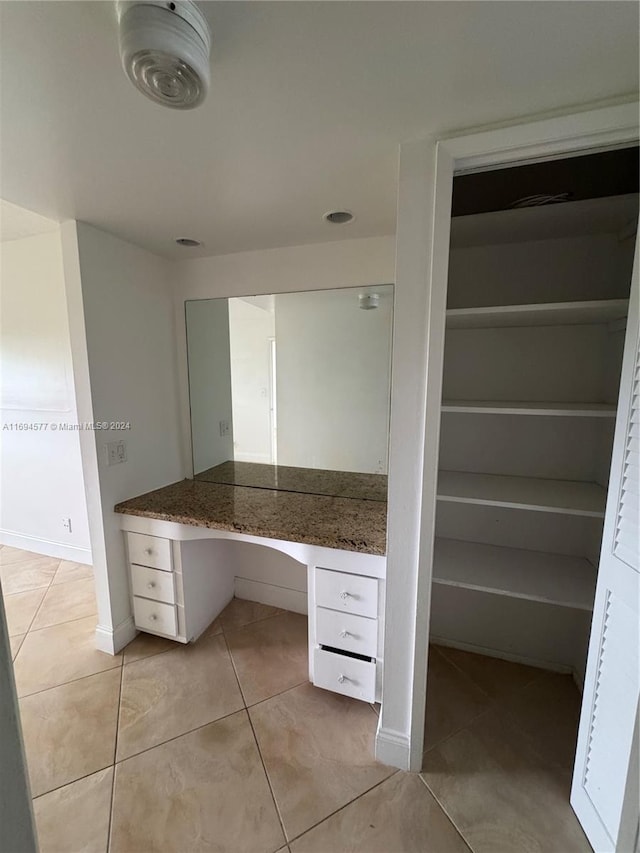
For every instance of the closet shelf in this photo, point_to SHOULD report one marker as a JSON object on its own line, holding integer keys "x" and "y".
{"x": 544, "y": 314}
{"x": 501, "y": 407}
{"x": 536, "y": 576}
{"x": 566, "y": 497}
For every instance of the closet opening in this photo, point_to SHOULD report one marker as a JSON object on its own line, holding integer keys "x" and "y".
{"x": 540, "y": 265}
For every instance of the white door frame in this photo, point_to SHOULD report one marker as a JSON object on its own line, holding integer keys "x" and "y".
{"x": 427, "y": 169}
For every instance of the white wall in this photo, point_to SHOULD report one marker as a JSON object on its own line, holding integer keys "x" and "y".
{"x": 333, "y": 365}
{"x": 122, "y": 326}
{"x": 209, "y": 382}
{"x": 41, "y": 479}
{"x": 251, "y": 325}
{"x": 597, "y": 266}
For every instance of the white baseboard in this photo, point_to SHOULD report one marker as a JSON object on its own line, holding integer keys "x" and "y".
{"x": 268, "y": 593}
{"x": 113, "y": 641}
{"x": 498, "y": 653}
{"x": 393, "y": 748}
{"x": 46, "y": 547}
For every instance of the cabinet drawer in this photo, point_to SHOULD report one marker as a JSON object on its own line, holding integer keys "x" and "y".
{"x": 352, "y": 677}
{"x": 351, "y": 593}
{"x": 149, "y": 551}
{"x": 150, "y": 583}
{"x": 346, "y": 631}
{"x": 156, "y": 617}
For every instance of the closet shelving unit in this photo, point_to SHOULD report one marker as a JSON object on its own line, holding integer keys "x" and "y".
{"x": 563, "y": 579}
{"x": 543, "y": 314}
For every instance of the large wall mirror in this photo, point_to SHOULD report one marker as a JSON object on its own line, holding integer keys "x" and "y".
{"x": 291, "y": 391}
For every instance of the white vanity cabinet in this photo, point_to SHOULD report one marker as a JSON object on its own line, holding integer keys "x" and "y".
{"x": 346, "y": 628}
{"x": 180, "y": 582}
{"x": 176, "y": 590}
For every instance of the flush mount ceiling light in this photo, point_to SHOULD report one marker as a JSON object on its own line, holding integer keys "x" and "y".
{"x": 187, "y": 241}
{"x": 164, "y": 47}
{"x": 339, "y": 217}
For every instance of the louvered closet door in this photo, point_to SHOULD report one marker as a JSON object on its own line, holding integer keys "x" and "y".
{"x": 605, "y": 788}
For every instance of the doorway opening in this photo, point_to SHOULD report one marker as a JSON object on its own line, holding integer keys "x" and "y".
{"x": 540, "y": 264}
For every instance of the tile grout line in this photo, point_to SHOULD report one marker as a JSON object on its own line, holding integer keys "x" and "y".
{"x": 346, "y": 805}
{"x": 73, "y": 580}
{"x": 256, "y": 621}
{"x": 177, "y": 645}
{"x": 465, "y": 675}
{"x": 268, "y": 778}
{"x": 71, "y": 681}
{"x": 72, "y": 781}
{"x": 492, "y": 705}
{"x": 115, "y": 752}
{"x": 255, "y": 740}
{"x": 442, "y": 650}
{"x": 182, "y": 734}
{"x": 446, "y": 813}
{"x": 456, "y": 732}
{"x": 66, "y": 622}
{"x": 279, "y": 693}
{"x": 235, "y": 672}
{"x": 39, "y": 607}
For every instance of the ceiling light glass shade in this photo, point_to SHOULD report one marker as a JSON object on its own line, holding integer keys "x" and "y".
{"x": 165, "y": 51}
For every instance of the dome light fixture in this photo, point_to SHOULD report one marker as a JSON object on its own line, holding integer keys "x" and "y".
{"x": 339, "y": 217}
{"x": 187, "y": 241}
{"x": 164, "y": 48}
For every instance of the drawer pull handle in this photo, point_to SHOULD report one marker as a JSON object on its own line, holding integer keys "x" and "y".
{"x": 153, "y": 618}
{"x": 148, "y": 551}
{"x": 151, "y": 585}
{"x": 342, "y": 679}
{"x": 344, "y": 634}
{"x": 344, "y": 595}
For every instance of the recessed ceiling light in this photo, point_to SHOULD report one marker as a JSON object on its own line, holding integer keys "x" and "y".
{"x": 339, "y": 217}
{"x": 187, "y": 241}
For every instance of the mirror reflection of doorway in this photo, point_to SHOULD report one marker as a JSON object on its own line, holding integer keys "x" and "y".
{"x": 251, "y": 337}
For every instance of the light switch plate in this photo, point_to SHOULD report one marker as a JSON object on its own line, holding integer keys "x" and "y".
{"x": 116, "y": 452}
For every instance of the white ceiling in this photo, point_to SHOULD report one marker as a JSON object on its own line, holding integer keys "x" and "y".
{"x": 309, "y": 101}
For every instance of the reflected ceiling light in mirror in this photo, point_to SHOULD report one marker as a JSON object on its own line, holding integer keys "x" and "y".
{"x": 367, "y": 301}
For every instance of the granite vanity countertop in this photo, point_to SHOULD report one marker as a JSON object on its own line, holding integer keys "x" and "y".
{"x": 349, "y": 524}
{"x": 341, "y": 484}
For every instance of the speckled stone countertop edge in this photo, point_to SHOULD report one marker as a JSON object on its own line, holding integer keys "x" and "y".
{"x": 348, "y": 540}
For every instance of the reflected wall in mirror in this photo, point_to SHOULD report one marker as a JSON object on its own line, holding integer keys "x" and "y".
{"x": 291, "y": 391}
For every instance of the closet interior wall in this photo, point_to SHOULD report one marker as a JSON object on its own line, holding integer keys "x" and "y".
{"x": 533, "y": 352}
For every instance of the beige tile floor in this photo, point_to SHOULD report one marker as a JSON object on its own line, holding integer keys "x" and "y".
{"x": 223, "y": 745}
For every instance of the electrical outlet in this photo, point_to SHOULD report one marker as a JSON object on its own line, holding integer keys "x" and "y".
{"x": 116, "y": 452}
{"x": 66, "y": 523}
{"x": 224, "y": 428}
